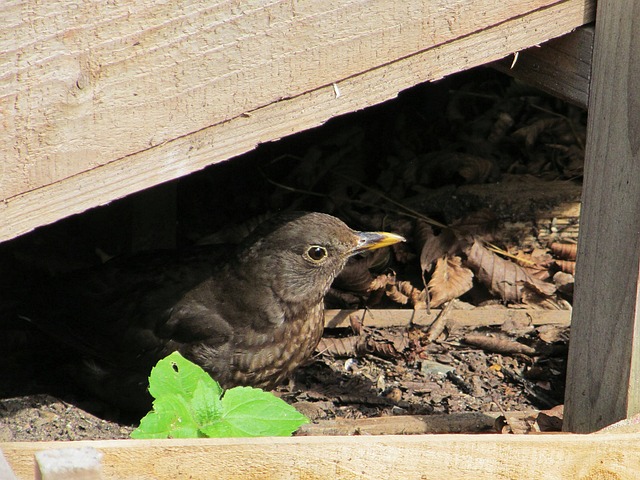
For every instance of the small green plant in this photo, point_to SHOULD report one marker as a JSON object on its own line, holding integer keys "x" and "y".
{"x": 189, "y": 403}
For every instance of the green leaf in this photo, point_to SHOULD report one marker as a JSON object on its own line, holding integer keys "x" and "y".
{"x": 206, "y": 405}
{"x": 251, "y": 412}
{"x": 189, "y": 403}
{"x": 171, "y": 418}
{"x": 176, "y": 375}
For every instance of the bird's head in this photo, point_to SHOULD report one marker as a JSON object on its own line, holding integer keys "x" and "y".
{"x": 299, "y": 255}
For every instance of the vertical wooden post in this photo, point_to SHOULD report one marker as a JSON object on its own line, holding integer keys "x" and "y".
{"x": 603, "y": 378}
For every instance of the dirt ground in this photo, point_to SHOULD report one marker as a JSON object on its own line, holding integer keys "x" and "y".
{"x": 486, "y": 164}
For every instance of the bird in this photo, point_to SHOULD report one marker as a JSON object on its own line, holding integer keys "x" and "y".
{"x": 249, "y": 314}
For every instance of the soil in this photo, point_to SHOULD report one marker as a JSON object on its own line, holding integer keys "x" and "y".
{"x": 429, "y": 153}
{"x": 446, "y": 377}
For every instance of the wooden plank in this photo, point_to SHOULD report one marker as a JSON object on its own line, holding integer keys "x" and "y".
{"x": 462, "y": 318}
{"x": 561, "y": 67}
{"x": 6, "y": 472}
{"x": 461, "y": 422}
{"x": 139, "y": 108}
{"x": 603, "y": 378}
{"x": 148, "y": 72}
{"x": 82, "y": 463}
{"x": 459, "y": 457}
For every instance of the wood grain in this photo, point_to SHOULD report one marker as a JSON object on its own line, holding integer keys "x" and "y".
{"x": 6, "y": 472}
{"x": 459, "y": 457}
{"x": 457, "y": 422}
{"x": 603, "y": 379}
{"x": 96, "y": 109}
{"x": 148, "y": 72}
{"x": 69, "y": 464}
{"x": 561, "y": 67}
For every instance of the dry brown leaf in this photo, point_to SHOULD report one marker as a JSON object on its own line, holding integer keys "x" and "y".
{"x": 382, "y": 281}
{"x": 551, "y": 420}
{"x": 356, "y": 323}
{"x": 400, "y": 340}
{"x": 566, "y": 266}
{"x": 533, "y": 297}
{"x": 379, "y": 348}
{"x": 564, "y": 283}
{"x": 404, "y": 293}
{"x": 517, "y": 423}
{"x": 434, "y": 246}
{"x": 531, "y": 132}
{"x": 417, "y": 297}
{"x": 500, "y": 127}
{"x": 396, "y": 295}
{"x": 475, "y": 169}
{"x": 565, "y": 251}
{"x": 503, "y": 278}
{"x": 385, "y": 345}
{"x": 449, "y": 280}
{"x": 338, "y": 347}
{"x": 553, "y": 333}
{"x": 517, "y": 325}
{"x": 537, "y": 259}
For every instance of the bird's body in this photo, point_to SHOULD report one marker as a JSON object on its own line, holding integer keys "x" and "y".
{"x": 249, "y": 315}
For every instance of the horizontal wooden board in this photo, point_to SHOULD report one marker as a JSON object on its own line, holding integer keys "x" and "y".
{"x": 459, "y": 457}
{"x": 462, "y": 318}
{"x": 458, "y": 422}
{"x": 96, "y": 109}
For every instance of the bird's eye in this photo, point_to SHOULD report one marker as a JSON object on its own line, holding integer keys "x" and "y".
{"x": 316, "y": 253}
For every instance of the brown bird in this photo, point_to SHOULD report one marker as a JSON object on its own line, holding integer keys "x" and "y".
{"x": 248, "y": 315}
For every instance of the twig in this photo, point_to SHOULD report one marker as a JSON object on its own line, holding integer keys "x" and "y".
{"x": 498, "y": 345}
{"x": 439, "y": 324}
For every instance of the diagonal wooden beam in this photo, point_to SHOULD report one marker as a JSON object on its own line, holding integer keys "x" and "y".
{"x": 561, "y": 67}
{"x": 139, "y": 93}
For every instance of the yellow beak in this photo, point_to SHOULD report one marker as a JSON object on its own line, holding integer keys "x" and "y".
{"x": 374, "y": 240}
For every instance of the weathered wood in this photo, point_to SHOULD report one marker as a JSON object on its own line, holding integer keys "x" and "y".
{"x": 462, "y": 318}
{"x": 552, "y": 207}
{"x": 6, "y": 472}
{"x": 561, "y": 67}
{"x": 603, "y": 378}
{"x": 82, "y": 463}
{"x": 459, "y": 457}
{"x": 463, "y": 422}
{"x": 151, "y": 92}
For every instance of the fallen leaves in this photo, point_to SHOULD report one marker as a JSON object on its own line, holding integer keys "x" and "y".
{"x": 566, "y": 253}
{"x": 383, "y": 343}
{"x": 453, "y": 258}
{"x": 504, "y": 278}
{"x": 449, "y": 280}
